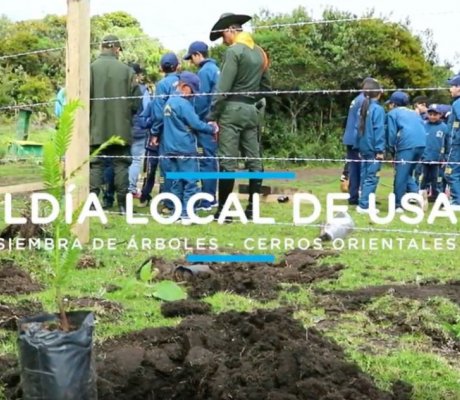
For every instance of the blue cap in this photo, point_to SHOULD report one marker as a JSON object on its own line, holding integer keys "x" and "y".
{"x": 169, "y": 60}
{"x": 435, "y": 108}
{"x": 196, "y": 47}
{"x": 191, "y": 80}
{"x": 454, "y": 81}
{"x": 398, "y": 98}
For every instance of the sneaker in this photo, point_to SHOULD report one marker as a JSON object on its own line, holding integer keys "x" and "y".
{"x": 165, "y": 211}
{"x": 203, "y": 207}
{"x": 399, "y": 210}
{"x": 186, "y": 221}
{"x": 343, "y": 178}
{"x": 214, "y": 204}
{"x": 360, "y": 210}
{"x": 144, "y": 203}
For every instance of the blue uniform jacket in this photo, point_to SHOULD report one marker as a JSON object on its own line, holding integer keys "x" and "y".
{"x": 436, "y": 135}
{"x": 351, "y": 131}
{"x": 372, "y": 140}
{"x": 405, "y": 130}
{"x": 154, "y": 112}
{"x": 180, "y": 126}
{"x": 209, "y": 74}
{"x": 140, "y": 119}
{"x": 454, "y": 123}
{"x": 60, "y": 102}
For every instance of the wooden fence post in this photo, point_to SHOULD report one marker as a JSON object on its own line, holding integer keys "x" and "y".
{"x": 77, "y": 87}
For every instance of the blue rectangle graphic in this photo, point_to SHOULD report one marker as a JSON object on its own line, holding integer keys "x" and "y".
{"x": 230, "y": 175}
{"x": 209, "y": 258}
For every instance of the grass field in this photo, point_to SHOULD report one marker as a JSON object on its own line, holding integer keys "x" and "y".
{"x": 371, "y": 335}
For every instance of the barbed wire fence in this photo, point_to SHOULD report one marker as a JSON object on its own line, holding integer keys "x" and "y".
{"x": 312, "y": 92}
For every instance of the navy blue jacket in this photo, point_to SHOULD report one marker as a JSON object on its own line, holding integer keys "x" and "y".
{"x": 436, "y": 136}
{"x": 454, "y": 122}
{"x": 209, "y": 75}
{"x": 351, "y": 131}
{"x": 180, "y": 126}
{"x": 372, "y": 140}
{"x": 140, "y": 129}
{"x": 405, "y": 130}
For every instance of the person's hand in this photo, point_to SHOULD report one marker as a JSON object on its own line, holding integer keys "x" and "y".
{"x": 153, "y": 141}
{"x": 216, "y": 130}
{"x": 379, "y": 156}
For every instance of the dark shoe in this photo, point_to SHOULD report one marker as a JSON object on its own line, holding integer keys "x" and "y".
{"x": 353, "y": 202}
{"x": 106, "y": 205}
{"x": 255, "y": 186}
{"x": 122, "y": 210}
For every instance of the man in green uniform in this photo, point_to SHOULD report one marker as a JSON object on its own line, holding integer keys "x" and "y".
{"x": 110, "y": 78}
{"x": 244, "y": 69}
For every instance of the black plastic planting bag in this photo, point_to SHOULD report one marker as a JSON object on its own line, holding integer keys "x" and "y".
{"x": 57, "y": 365}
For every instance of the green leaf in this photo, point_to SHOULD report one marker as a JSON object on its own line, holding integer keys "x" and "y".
{"x": 169, "y": 291}
{"x": 145, "y": 274}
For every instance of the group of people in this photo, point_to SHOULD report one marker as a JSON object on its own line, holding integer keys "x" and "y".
{"x": 194, "y": 119}
{"x": 189, "y": 121}
{"x": 424, "y": 142}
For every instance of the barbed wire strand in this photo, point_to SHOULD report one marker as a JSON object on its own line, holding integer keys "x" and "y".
{"x": 242, "y": 158}
{"x": 358, "y": 229}
{"x": 247, "y": 93}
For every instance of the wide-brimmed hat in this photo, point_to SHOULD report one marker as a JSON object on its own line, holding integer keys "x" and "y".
{"x": 226, "y": 20}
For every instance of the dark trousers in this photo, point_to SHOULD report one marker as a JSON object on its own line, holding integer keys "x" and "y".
{"x": 108, "y": 188}
{"x": 430, "y": 179}
{"x": 151, "y": 165}
{"x": 354, "y": 175}
{"x": 121, "y": 161}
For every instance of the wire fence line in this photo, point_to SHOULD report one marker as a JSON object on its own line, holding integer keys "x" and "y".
{"x": 320, "y": 226}
{"x": 242, "y": 158}
{"x": 266, "y": 93}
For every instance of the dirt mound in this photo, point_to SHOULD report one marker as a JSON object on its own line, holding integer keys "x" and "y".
{"x": 264, "y": 355}
{"x": 354, "y": 300}
{"x": 184, "y": 308}
{"x": 239, "y": 356}
{"x": 11, "y": 313}
{"x": 9, "y": 376}
{"x": 14, "y": 281}
{"x": 104, "y": 309}
{"x": 262, "y": 281}
{"x": 88, "y": 261}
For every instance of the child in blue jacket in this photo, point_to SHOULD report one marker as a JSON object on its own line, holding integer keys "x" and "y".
{"x": 352, "y": 169}
{"x": 370, "y": 142}
{"x": 169, "y": 64}
{"x": 406, "y": 140}
{"x": 208, "y": 72}
{"x": 436, "y": 135}
{"x": 181, "y": 125}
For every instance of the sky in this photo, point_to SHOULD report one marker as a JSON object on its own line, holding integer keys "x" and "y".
{"x": 177, "y": 23}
